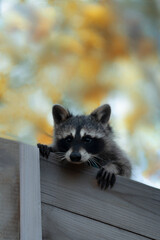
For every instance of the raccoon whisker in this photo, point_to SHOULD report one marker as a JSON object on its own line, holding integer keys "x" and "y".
{"x": 59, "y": 153}
{"x": 89, "y": 163}
{"x": 61, "y": 160}
{"x": 94, "y": 163}
{"x": 62, "y": 157}
{"x": 59, "y": 157}
{"x": 98, "y": 158}
{"x": 97, "y": 163}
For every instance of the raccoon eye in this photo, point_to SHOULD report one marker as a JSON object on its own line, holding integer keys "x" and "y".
{"x": 87, "y": 139}
{"x": 69, "y": 139}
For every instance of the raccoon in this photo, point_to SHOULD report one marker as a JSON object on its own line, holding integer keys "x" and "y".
{"x": 88, "y": 139}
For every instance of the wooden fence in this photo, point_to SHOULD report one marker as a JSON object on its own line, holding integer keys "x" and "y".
{"x": 73, "y": 206}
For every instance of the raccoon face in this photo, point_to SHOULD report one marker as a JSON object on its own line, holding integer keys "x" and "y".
{"x": 80, "y": 138}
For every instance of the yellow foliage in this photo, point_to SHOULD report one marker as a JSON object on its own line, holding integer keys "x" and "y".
{"x": 44, "y": 138}
{"x": 136, "y": 116}
{"x": 44, "y": 129}
{"x": 89, "y": 68}
{"x": 97, "y": 15}
{"x": 70, "y": 8}
{"x": 90, "y": 39}
{"x": 69, "y": 44}
{"x": 93, "y": 96}
{"x": 3, "y": 85}
{"x": 16, "y": 21}
{"x": 45, "y": 20}
{"x": 118, "y": 47}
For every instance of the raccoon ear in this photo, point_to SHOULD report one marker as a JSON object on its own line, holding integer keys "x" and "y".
{"x": 102, "y": 113}
{"x": 60, "y": 114}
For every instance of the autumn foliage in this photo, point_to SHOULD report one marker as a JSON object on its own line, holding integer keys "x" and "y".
{"x": 79, "y": 54}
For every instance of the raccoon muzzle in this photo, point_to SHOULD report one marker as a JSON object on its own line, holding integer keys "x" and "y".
{"x": 75, "y": 157}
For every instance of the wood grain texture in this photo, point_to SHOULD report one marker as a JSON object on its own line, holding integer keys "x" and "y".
{"x": 20, "y": 202}
{"x": 59, "y": 224}
{"x": 9, "y": 190}
{"x": 30, "y": 200}
{"x": 130, "y": 205}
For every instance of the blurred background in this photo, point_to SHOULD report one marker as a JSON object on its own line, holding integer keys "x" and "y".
{"x": 83, "y": 53}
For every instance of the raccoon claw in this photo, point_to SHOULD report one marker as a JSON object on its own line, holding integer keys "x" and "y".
{"x": 44, "y": 150}
{"x": 105, "y": 179}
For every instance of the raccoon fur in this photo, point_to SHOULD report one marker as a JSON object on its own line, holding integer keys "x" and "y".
{"x": 88, "y": 139}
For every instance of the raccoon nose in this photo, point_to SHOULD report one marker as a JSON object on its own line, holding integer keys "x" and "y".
{"x": 75, "y": 156}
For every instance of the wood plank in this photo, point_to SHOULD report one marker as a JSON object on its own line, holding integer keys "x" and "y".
{"x": 20, "y": 202}
{"x": 30, "y": 199}
{"x": 62, "y": 225}
{"x": 9, "y": 190}
{"x": 129, "y": 205}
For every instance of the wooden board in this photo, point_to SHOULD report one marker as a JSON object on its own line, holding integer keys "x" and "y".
{"x": 130, "y": 205}
{"x": 9, "y": 190}
{"x": 30, "y": 200}
{"x": 20, "y": 202}
{"x": 60, "y": 224}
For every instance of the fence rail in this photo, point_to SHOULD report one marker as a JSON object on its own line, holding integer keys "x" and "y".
{"x": 74, "y": 207}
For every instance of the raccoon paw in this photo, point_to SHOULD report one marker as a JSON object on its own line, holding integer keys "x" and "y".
{"x": 44, "y": 150}
{"x": 105, "y": 179}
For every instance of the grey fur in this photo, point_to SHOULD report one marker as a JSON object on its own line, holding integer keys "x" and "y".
{"x": 112, "y": 159}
